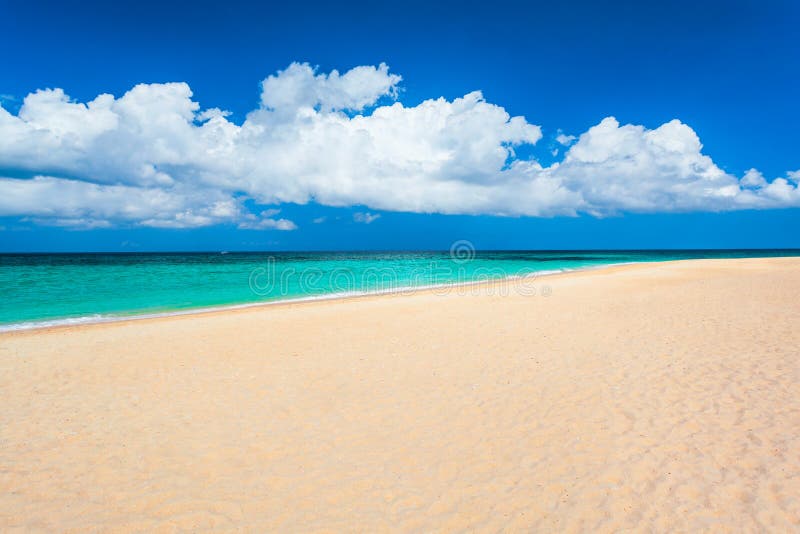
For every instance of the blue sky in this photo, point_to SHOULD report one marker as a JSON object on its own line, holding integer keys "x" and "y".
{"x": 727, "y": 71}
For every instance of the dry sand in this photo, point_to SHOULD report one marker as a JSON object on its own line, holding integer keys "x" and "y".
{"x": 654, "y": 397}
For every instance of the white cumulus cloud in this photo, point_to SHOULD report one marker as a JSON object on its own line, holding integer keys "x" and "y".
{"x": 265, "y": 221}
{"x": 299, "y": 87}
{"x": 154, "y": 157}
{"x": 565, "y": 139}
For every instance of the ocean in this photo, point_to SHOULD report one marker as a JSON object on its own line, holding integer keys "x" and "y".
{"x": 51, "y": 289}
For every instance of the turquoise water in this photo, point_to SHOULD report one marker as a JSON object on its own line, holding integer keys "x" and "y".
{"x": 40, "y": 289}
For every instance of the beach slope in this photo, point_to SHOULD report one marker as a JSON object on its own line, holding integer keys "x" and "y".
{"x": 662, "y": 396}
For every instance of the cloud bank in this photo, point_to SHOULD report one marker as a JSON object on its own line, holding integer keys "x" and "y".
{"x": 153, "y": 157}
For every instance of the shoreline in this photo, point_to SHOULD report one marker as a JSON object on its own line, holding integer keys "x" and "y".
{"x": 89, "y": 321}
{"x": 69, "y": 322}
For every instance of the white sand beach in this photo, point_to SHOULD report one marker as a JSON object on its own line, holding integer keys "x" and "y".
{"x": 652, "y": 396}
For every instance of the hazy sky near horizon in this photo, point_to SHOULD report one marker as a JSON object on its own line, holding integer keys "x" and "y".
{"x": 205, "y": 125}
